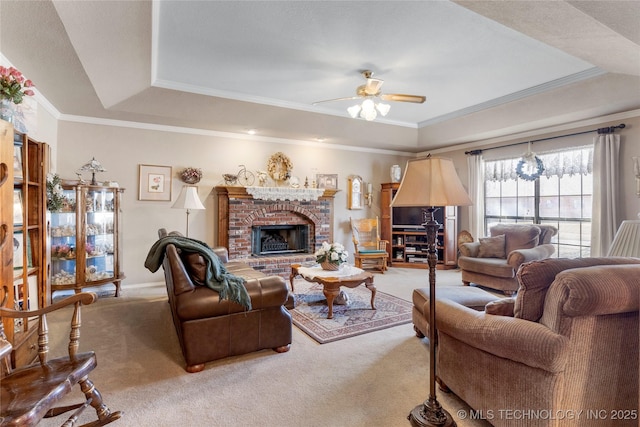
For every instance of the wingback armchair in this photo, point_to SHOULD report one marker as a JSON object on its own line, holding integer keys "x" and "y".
{"x": 493, "y": 261}
{"x": 369, "y": 248}
{"x": 568, "y": 346}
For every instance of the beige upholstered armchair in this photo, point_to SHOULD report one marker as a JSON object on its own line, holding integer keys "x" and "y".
{"x": 493, "y": 261}
{"x": 565, "y": 354}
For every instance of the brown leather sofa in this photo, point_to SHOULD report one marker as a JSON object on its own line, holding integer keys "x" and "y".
{"x": 211, "y": 328}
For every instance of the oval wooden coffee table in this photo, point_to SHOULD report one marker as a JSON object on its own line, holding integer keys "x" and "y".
{"x": 331, "y": 281}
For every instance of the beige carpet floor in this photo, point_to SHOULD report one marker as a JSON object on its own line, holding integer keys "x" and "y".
{"x": 374, "y": 379}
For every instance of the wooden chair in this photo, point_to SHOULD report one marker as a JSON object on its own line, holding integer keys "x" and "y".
{"x": 28, "y": 394}
{"x": 369, "y": 249}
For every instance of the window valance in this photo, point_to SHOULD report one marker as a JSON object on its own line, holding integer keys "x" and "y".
{"x": 577, "y": 160}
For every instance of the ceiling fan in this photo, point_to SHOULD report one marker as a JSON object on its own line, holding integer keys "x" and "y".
{"x": 370, "y": 90}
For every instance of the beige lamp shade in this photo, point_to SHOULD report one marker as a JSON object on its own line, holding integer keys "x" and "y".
{"x": 188, "y": 199}
{"x": 627, "y": 240}
{"x": 431, "y": 181}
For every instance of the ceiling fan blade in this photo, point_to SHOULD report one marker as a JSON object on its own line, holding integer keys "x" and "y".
{"x": 398, "y": 97}
{"x": 336, "y": 99}
{"x": 373, "y": 86}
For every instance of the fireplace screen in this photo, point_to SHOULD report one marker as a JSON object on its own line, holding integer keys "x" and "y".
{"x": 279, "y": 239}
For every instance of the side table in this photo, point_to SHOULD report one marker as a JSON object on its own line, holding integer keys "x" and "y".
{"x": 331, "y": 281}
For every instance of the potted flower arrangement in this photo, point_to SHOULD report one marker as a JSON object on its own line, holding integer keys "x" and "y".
{"x": 331, "y": 255}
{"x": 13, "y": 88}
{"x": 55, "y": 193}
{"x": 13, "y": 84}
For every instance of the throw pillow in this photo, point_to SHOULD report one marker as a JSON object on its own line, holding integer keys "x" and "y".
{"x": 517, "y": 236}
{"x": 196, "y": 267}
{"x": 492, "y": 247}
{"x": 501, "y": 307}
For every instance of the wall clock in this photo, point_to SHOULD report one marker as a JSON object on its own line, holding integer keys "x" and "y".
{"x": 355, "y": 193}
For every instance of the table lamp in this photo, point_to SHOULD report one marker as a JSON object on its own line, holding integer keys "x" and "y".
{"x": 431, "y": 182}
{"x": 93, "y": 166}
{"x": 188, "y": 199}
{"x": 626, "y": 243}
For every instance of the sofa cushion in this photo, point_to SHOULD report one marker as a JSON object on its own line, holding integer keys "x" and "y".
{"x": 517, "y": 236}
{"x": 492, "y": 247}
{"x": 469, "y": 296}
{"x": 501, "y": 307}
{"x": 535, "y": 278}
{"x": 491, "y": 266}
{"x": 469, "y": 249}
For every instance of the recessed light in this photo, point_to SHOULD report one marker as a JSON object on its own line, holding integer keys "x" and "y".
{"x": 320, "y": 139}
{"x": 251, "y": 131}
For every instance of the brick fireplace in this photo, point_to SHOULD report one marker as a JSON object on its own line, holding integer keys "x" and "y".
{"x": 238, "y": 212}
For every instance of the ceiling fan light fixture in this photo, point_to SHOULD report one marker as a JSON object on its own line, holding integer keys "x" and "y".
{"x": 353, "y": 111}
{"x": 383, "y": 109}
{"x": 368, "y": 105}
{"x": 369, "y": 115}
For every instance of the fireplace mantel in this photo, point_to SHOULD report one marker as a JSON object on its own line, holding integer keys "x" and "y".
{"x": 237, "y": 210}
{"x": 237, "y": 192}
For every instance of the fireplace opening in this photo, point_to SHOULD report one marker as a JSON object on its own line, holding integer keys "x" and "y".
{"x": 279, "y": 239}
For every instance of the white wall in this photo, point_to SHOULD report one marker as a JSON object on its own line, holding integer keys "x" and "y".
{"x": 121, "y": 149}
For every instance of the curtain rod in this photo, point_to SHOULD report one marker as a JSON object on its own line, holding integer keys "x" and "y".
{"x": 600, "y": 131}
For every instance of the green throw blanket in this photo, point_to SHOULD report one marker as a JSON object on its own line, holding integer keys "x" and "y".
{"x": 228, "y": 285}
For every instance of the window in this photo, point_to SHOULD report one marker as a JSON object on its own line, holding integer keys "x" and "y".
{"x": 560, "y": 197}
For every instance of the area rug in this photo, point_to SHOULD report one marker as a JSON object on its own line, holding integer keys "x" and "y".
{"x": 356, "y": 318}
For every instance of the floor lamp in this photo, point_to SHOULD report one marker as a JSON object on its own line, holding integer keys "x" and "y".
{"x": 188, "y": 199}
{"x": 431, "y": 182}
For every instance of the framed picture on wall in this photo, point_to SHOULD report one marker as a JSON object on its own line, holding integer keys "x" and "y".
{"x": 327, "y": 181}
{"x": 155, "y": 183}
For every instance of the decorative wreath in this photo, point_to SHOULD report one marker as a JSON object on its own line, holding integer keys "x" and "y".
{"x": 279, "y": 167}
{"x": 530, "y": 158}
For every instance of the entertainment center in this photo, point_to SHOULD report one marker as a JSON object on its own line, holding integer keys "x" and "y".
{"x": 402, "y": 228}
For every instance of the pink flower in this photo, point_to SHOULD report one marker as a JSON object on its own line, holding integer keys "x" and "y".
{"x": 13, "y": 84}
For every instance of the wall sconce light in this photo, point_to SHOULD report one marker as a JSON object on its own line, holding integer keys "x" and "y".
{"x": 636, "y": 171}
{"x": 369, "y": 196}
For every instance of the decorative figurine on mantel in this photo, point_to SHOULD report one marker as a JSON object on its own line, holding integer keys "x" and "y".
{"x": 263, "y": 176}
{"x": 191, "y": 175}
{"x": 93, "y": 166}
